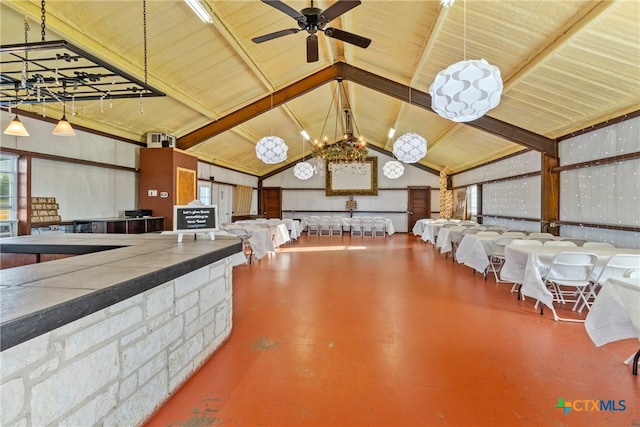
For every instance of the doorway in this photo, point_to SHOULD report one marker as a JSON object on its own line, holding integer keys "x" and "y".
{"x": 272, "y": 202}
{"x": 419, "y": 201}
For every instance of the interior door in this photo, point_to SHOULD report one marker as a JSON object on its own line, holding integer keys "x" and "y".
{"x": 222, "y": 196}
{"x": 419, "y": 200}
{"x": 272, "y": 202}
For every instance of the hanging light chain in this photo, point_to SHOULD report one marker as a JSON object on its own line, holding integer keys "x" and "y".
{"x": 144, "y": 26}
{"x": 25, "y": 64}
{"x": 43, "y": 25}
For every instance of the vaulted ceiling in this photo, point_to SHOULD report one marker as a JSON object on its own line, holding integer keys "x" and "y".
{"x": 566, "y": 66}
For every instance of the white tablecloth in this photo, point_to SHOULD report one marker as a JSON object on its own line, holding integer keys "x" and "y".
{"x": 615, "y": 314}
{"x": 528, "y": 265}
{"x": 447, "y": 236}
{"x": 293, "y": 226}
{"x": 432, "y": 229}
{"x": 420, "y": 225}
{"x": 259, "y": 238}
{"x": 280, "y": 234}
{"x": 474, "y": 251}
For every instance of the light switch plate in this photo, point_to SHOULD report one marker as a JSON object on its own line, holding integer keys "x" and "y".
{"x": 152, "y": 193}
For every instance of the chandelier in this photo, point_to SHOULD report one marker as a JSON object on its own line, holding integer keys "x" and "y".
{"x": 303, "y": 170}
{"x": 56, "y": 71}
{"x": 271, "y": 149}
{"x": 393, "y": 169}
{"x": 468, "y": 89}
{"x": 350, "y": 149}
{"x": 410, "y": 147}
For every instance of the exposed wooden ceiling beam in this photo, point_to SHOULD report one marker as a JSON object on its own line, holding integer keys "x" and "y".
{"x": 372, "y": 81}
{"x": 258, "y": 107}
{"x": 423, "y": 100}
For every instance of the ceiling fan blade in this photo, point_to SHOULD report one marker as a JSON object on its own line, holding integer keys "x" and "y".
{"x": 275, "y": 35}
{"x": 312, "y": 48}
{"x": 337, "y": 9}
{"x": 348, "y": 37}
{"x": 286, "y": 9}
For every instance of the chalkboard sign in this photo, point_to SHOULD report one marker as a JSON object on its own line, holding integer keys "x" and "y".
{"x": 195, "y": 218}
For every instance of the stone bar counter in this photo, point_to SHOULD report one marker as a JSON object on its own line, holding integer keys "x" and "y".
{"x": 106, "y": 334}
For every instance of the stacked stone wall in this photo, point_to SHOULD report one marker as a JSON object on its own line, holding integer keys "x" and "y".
{"x": 118, "y": 365}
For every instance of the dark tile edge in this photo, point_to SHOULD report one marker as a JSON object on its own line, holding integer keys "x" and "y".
{"x": 19, "y": 330}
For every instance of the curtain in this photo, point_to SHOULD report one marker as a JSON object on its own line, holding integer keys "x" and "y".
{"x": 242, "y": 200}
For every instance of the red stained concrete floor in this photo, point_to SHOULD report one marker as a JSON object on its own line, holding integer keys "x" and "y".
{"x": 342, "y": 331}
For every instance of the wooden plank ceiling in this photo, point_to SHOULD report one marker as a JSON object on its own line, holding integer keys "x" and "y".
{"x": 566, "y": 66}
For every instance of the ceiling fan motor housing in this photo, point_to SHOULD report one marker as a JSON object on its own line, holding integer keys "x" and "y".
{"x": 312, "y": 15}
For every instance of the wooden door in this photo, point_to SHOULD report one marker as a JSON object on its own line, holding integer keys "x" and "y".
{"x": 272, "y": 202}
{"x": 419, "y": 201}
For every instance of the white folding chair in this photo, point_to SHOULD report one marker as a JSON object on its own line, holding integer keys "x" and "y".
{"x": 522, "y": 242}
{"x": 597, "y": 245}
{"x": 578, "y": 242}
{"x": 488, "y": 234}
{"x": 563, "y": 243}
{"x": 325, "y": 226}
{"x": 569, "y": 276}
{"x": 367, "y": 227}
{"x": 526, "y": 242}
{"x": 496, "y": 258}
{"x": 313, "y": 226}
{"x": 356, "y": 227}
{"x": 619, "y": 265}
{"x": 336, "y": 226}
{"x": 541, "y": 235}
{"x": 515, "y": 233}
{"x": 379, "y": 227}
{"x": 246, "y": 245}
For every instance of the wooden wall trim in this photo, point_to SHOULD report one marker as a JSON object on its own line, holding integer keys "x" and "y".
{"x": 550, "y": 191}
{"x": 595, "y": 225}
{"x": 494, "y": 181}
{"x": 598, "y": 162}
{"x": 55, "y": 158}
{"x": 516, "y": 218}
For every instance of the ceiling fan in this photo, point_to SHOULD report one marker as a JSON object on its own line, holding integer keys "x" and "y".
{"x": 311, "y": 19}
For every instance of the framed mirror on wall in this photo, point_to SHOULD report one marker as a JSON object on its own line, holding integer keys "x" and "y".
{"x": 350, "y": 179}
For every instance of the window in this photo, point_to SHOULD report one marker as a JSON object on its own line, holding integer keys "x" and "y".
{"x": 472, "y": 202}
{"x": 204, "y": 194}
{"x": 8, "y": 186}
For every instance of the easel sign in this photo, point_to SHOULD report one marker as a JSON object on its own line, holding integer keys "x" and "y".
{"x": 194, "y": 219}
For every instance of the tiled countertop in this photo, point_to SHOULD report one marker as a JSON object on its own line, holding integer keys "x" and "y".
{"x": 38, "y": 298}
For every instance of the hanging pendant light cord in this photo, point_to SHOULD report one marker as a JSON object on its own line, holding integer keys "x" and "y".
{"x": 464, "y": 30}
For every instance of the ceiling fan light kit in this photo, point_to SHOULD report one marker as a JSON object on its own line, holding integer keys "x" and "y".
{"x": 314, "y": 20}
{"x": 466, "y": 90}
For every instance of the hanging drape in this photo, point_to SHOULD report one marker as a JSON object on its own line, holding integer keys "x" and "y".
{"x": 242, "y": 200}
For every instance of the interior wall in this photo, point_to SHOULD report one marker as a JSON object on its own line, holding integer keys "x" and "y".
{"x": 605, "y": 194}
{"x": 303, "y": 197}
{"x": 82, "y": 191}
